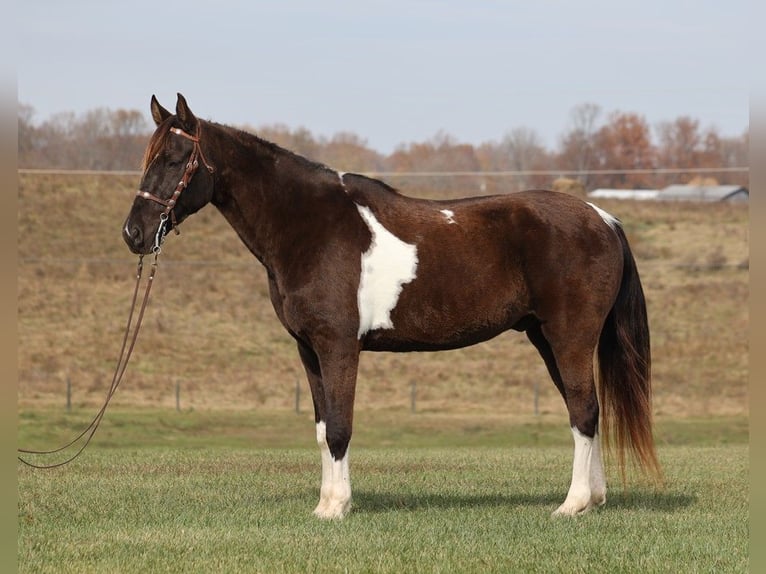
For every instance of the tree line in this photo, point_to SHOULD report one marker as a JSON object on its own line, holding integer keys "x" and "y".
{"x": 620, "y": 142}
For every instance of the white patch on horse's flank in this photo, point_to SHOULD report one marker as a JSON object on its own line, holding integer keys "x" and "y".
{"x": 449, "y": 215}
{"x": 387, "y": 265}
{"x": 610, "y": 219}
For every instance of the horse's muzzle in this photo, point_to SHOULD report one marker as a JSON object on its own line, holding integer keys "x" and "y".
{"x": 135, "y": 238}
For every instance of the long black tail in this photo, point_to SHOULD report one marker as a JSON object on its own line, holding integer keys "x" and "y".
{"x": 624, "y": 358}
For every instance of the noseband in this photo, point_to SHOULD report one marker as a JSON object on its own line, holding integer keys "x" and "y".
{"x": 191, "y": 168}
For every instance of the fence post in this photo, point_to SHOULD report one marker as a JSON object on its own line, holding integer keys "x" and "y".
{"x": 178, "y": 396}
{"x": 413, "y": 396}
{"x": 297, "y": 397}
{"x": 537, "y": 396}
{"x": 68, "y": 395}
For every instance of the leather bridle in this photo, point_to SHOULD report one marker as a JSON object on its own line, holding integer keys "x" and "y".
{"x": 169, "y": 204}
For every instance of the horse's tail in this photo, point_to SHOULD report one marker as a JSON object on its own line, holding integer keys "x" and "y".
{"x": 624, "y": 359}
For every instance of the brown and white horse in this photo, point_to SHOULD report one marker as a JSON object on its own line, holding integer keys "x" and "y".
{"x": 353, "y": 265}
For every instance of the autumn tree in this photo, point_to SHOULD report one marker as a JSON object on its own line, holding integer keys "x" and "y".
{"x": 299, "y": 140}
{"x": 348, "y": 152}
{"x": 104, "y": 139}
{"x": 624, "y": 143}
{"x": 680, "y": 143}
{"x": 442, "y": 153}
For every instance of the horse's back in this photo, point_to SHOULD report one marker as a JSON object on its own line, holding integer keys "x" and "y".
{"x": 486, "y": 264}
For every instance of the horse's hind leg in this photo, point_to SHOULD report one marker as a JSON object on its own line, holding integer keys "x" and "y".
{"x": 570, "y": 364}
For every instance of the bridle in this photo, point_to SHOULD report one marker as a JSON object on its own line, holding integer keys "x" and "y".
{"x": 127, "y": 349}
{"x": 191, "y": 168}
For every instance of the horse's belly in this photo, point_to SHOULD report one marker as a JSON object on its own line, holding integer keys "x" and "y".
{"x": 430, "y": 329}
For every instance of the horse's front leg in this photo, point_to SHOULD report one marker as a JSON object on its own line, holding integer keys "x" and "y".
{"x": 332, "y": 378}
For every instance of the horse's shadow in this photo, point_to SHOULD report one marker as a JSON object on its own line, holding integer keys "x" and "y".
{"x": 380, "y": 502}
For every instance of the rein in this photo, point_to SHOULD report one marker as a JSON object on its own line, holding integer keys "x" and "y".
{"x": 127, "y": 350}
{"x": 122, "y": 364}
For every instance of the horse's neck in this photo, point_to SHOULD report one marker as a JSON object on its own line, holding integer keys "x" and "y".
{"x": 268, "y": 196}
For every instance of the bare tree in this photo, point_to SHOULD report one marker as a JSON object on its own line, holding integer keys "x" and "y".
{"x": 578, "y": 144}
{"x": 523, "y": 150}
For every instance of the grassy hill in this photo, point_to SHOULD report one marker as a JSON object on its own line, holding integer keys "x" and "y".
{"x": 211, "y": 330}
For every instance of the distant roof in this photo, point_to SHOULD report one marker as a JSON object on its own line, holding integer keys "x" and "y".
{"x": 705, "y": 193}
{"x": 624, "y": 193}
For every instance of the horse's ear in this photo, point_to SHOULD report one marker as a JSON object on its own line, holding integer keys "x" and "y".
{"x": 185, "y": 115}
{"x": 159, "y": 114}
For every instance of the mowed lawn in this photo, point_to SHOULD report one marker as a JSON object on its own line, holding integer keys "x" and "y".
{"x": 459, "y": 507}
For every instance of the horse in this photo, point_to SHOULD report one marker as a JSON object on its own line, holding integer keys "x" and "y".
{"x": 353, "y": 265}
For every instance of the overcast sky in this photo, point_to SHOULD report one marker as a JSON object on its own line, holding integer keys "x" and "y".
{"x": 392, "y": 71}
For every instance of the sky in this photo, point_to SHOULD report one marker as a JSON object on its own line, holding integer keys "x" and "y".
{"x": 395, "y": 71}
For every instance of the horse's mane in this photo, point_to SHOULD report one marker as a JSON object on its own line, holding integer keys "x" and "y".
{"x": 156, "y": 143}
{"x": 251, "y": 139}
{"x": 246, "y": 138}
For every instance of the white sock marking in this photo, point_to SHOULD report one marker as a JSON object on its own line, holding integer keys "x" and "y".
{"x": 578, "y": 497}
{"x": 387, "y": 265}
{"x": 610, "y": 220}
{"x": 597, "y": 475}
{"x": 449, "y": 215}
{"x": 335, "y": 492}
{"x": 324, "y": 451}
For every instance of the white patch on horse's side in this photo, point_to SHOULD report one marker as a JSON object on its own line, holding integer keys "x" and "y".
{"x": 449, "y": 215}
{"x": 387, "y": 265}
{"x": 578, "y": 498}
{"x": 610, "y": 219}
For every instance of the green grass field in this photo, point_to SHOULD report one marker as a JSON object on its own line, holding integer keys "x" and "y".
{"x": 161, "y": 491}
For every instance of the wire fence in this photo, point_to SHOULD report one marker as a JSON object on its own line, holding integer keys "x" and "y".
{"x": 500, "y": 173}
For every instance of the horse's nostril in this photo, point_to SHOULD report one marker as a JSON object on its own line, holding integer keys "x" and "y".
{"x": 132, "y": 234}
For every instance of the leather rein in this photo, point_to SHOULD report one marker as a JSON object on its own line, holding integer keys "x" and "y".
{"x": 127, "y": 350}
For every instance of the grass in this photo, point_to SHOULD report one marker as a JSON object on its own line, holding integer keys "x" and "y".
{"x": 197, "y": 491}
{"x": 265, "y": 429}
{"x": 159, "y": 508}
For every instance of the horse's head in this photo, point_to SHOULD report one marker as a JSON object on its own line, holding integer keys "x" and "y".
{"x": 172, "y": 187}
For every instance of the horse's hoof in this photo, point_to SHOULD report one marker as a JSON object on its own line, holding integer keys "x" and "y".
{"x": 572, "y": 509}
{"x": 332, "y": 509}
